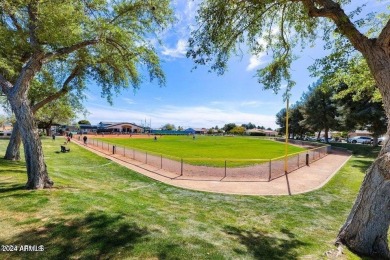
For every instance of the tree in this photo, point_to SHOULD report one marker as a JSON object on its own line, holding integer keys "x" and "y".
{"x": 84, "y": 122}
{"x": 357, "y": 98}
{"x": 249, "y": 126}
{"x": 238, "y": 130}
{"x": 284, "y": 25}
{"x": 228, "y": 127}
{"x": 361, "y": 110}
{"x": 111, "y": 37}
{"x": 169, "y": 127}
{"x": 295, "y": 120}
{"x": 44, "y": 89}
{"x": 281, "y": 120}
{"x": 319, "y": 110}
{"x": 59, "y": 111}
{"x": 3, "y": 120}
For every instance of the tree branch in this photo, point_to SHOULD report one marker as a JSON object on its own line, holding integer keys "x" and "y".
{"x": 15, "y": 22}
{"x": 5, "y": 85}
{"x": 32, "y": 25}
{"x": 70, "y": 49}
{"x": 332, "y": 10}
{"x": 384, "y": 37}
{"x": 64, "y": 90}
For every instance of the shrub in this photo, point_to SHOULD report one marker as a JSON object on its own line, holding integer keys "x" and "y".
{"x": 257, "y": 134}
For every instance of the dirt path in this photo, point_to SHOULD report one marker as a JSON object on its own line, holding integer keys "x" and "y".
{"x": 303, "y": 180}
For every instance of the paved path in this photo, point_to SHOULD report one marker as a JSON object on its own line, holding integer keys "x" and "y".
{"x": 305, "y": 179}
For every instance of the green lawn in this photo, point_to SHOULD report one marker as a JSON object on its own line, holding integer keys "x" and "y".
{"x": 101, "y": 210}
{"x": 209, "y": 150}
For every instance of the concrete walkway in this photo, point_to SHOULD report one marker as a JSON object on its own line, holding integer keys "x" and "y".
{"x": 303, "y": 180}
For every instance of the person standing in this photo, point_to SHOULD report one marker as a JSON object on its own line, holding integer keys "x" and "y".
{"x": 85, "y": 139}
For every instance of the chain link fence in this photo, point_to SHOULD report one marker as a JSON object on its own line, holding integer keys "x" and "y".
{"x": 220, "y": 169}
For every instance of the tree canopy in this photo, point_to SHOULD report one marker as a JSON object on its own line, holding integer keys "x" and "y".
{"x": 108, "y": 42}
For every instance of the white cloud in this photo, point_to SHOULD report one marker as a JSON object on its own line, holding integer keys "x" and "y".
{"x": 178, "y": 52}
{"x": 129, "y": 101}
{"x": 190, "y": 116}
{"x": 255, "y": 61}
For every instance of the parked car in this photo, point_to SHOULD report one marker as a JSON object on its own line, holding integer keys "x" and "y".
{"x": 322, "y": 140}
{"x": 360, "y": 140}
{"x": 381, "y": 140}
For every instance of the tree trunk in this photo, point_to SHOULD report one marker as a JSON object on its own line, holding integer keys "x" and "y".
{"x": 37, "y": 176}
{"x": 13, "y": 148}
{"x": 326, "y": 135}
{"x": 366, "y": 228}
{"x": 365, "y": 231}
{"x": 319, "y": 135}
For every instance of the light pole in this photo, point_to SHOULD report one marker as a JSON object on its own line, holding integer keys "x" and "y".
{"x": 286, "y": 143}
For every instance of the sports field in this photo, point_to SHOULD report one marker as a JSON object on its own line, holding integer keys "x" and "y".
{"x": 207, "y": 147}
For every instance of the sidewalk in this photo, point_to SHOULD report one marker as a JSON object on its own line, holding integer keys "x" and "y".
{"x": 303, "y": 180}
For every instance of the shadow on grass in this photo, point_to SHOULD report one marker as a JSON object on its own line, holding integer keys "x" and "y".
{"x": 361, "y": 164}
{"x": 96, "y": 236}
{"x": 14, "y": 167}
{"x": 4, "y": 188}
{"x": 265, "y": 246}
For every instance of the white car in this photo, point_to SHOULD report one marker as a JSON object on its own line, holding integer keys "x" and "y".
{"x": 381, "y": 140}
{"x": 360, "y": 140}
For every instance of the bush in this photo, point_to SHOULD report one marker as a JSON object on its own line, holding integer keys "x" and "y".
{"x": 257, "y": 134}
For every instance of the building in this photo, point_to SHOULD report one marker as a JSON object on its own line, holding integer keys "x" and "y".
{"x": 119, "y": 127}
{"x": 262, "y": 132}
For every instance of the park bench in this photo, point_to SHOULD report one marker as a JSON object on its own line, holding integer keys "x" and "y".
{"x": 64, "y": 150}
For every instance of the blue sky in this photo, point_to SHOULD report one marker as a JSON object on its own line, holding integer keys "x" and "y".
{"x": 197, "y": 98}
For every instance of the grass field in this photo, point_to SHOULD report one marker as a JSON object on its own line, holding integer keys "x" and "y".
{"x": 208, "y": 150}
{"x": 101, "y": 210}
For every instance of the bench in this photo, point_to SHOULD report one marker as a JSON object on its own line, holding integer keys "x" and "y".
{"x": 64, "y": 149}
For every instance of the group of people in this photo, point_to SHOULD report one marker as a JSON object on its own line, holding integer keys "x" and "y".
{"x": 68, "y": 137}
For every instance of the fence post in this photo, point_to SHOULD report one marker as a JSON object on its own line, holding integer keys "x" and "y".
{"x": 269, "y": 174}
{"x": 161, "y": 160}
{"x": 298, "y": 160}
{"x": 307, "y": 159}
{"x": 113, "y": 149}
{"x": 181, "y": 168}
{"x": 133, "y": 154}
{"x": 225, "y": 169}
{"x": 146, "y": 160}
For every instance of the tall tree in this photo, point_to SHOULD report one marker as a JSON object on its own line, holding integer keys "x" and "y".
{"x": 281, "y": 121}
{"x": 320, "y": 111}
{"x": 84, "y": 122}
{"x": 295, "y": 120}
{"x": 228, "y": 127}
{"x": 60, "y": 111}
{"x": 36, "y": 33}
{"x": 168, "y": 127}
{"x": 357, "y": 97}
{"x": 284, "y": 25}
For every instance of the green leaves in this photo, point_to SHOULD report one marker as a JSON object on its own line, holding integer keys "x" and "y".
{"x": 275, "y": 27}
{"x": 109, "y": 41}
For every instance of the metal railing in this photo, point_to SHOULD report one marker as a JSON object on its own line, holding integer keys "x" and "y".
{"x": 214, "y": 169}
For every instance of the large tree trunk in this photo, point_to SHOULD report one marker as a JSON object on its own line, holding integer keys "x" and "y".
{"x": 36, "y": 168}
{"x": 13, "y": 148}
{"x": 366, "y": 229}
{"x": 37, "y": 176}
